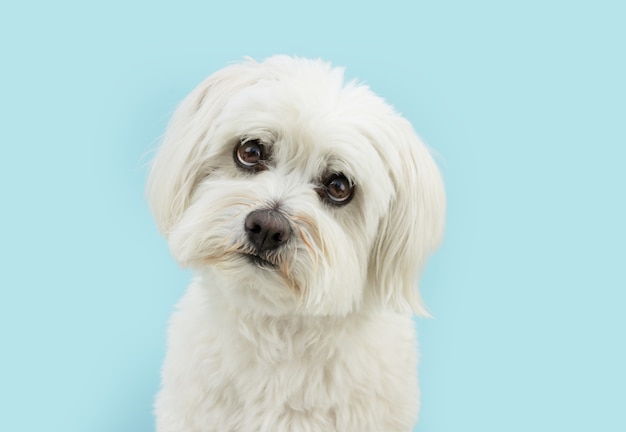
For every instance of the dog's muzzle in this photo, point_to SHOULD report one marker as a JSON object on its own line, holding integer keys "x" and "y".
{"x": 267, "y": 229}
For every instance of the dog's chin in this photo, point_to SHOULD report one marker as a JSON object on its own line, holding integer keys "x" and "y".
{"x": 251, "y": 284}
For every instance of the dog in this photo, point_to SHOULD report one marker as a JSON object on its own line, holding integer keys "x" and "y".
{"x": 306, "y": 207}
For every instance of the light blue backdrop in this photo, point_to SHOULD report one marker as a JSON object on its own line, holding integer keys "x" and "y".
{"x": 524, "y": 102}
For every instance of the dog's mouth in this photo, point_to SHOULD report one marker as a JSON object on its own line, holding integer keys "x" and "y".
{"x": 261, "y": 262}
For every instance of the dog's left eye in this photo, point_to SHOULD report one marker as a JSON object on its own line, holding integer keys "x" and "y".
{"x": 336, "y": 190}
{"x": 251, "y": 155}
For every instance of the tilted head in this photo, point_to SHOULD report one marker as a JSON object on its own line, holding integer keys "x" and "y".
{"x": 296, "y": 191}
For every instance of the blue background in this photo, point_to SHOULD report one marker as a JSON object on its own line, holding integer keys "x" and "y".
{"x": 524, "y": 101}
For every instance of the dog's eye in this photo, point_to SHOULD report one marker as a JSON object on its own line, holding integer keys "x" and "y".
{"x": 337, "y": 189}
{"x": 251, "y": 155}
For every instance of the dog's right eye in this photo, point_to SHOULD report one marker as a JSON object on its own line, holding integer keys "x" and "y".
{"x": 251, "y": 155}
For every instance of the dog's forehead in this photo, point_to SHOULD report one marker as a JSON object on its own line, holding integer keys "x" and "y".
{"x": 307, "y": 97}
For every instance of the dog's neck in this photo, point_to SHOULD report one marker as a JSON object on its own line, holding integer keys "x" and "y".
{"x": 290, "y": 336}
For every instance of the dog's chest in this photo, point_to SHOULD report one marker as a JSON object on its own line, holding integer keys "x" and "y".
{"x": 288, "y": 375}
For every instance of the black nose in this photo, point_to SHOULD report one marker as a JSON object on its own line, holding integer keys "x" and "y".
{"x": 267, "y": 229}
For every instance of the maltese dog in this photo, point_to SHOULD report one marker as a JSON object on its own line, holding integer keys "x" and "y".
{"x": 306, "y": 207}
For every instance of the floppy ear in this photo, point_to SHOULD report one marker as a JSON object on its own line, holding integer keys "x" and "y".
{"x": 413, "y": 227}
{"x": 178, "y": 163}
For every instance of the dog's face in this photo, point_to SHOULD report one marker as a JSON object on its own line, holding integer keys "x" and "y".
{"x": 296, "y": 192}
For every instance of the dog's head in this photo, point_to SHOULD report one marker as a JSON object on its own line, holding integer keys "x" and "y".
{"x": 297, "y": 192}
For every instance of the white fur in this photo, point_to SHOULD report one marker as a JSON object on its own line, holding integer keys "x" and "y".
{"x": 325, "y": 341}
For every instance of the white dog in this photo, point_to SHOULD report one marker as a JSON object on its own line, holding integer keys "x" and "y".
{"x": 306, "y": 207}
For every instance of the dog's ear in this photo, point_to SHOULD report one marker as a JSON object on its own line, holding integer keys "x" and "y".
{"x": 178, "y": 163}
{"x": 413, "y": 227}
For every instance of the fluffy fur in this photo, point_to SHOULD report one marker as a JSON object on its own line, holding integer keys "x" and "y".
{"x": 322, "y": 337}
